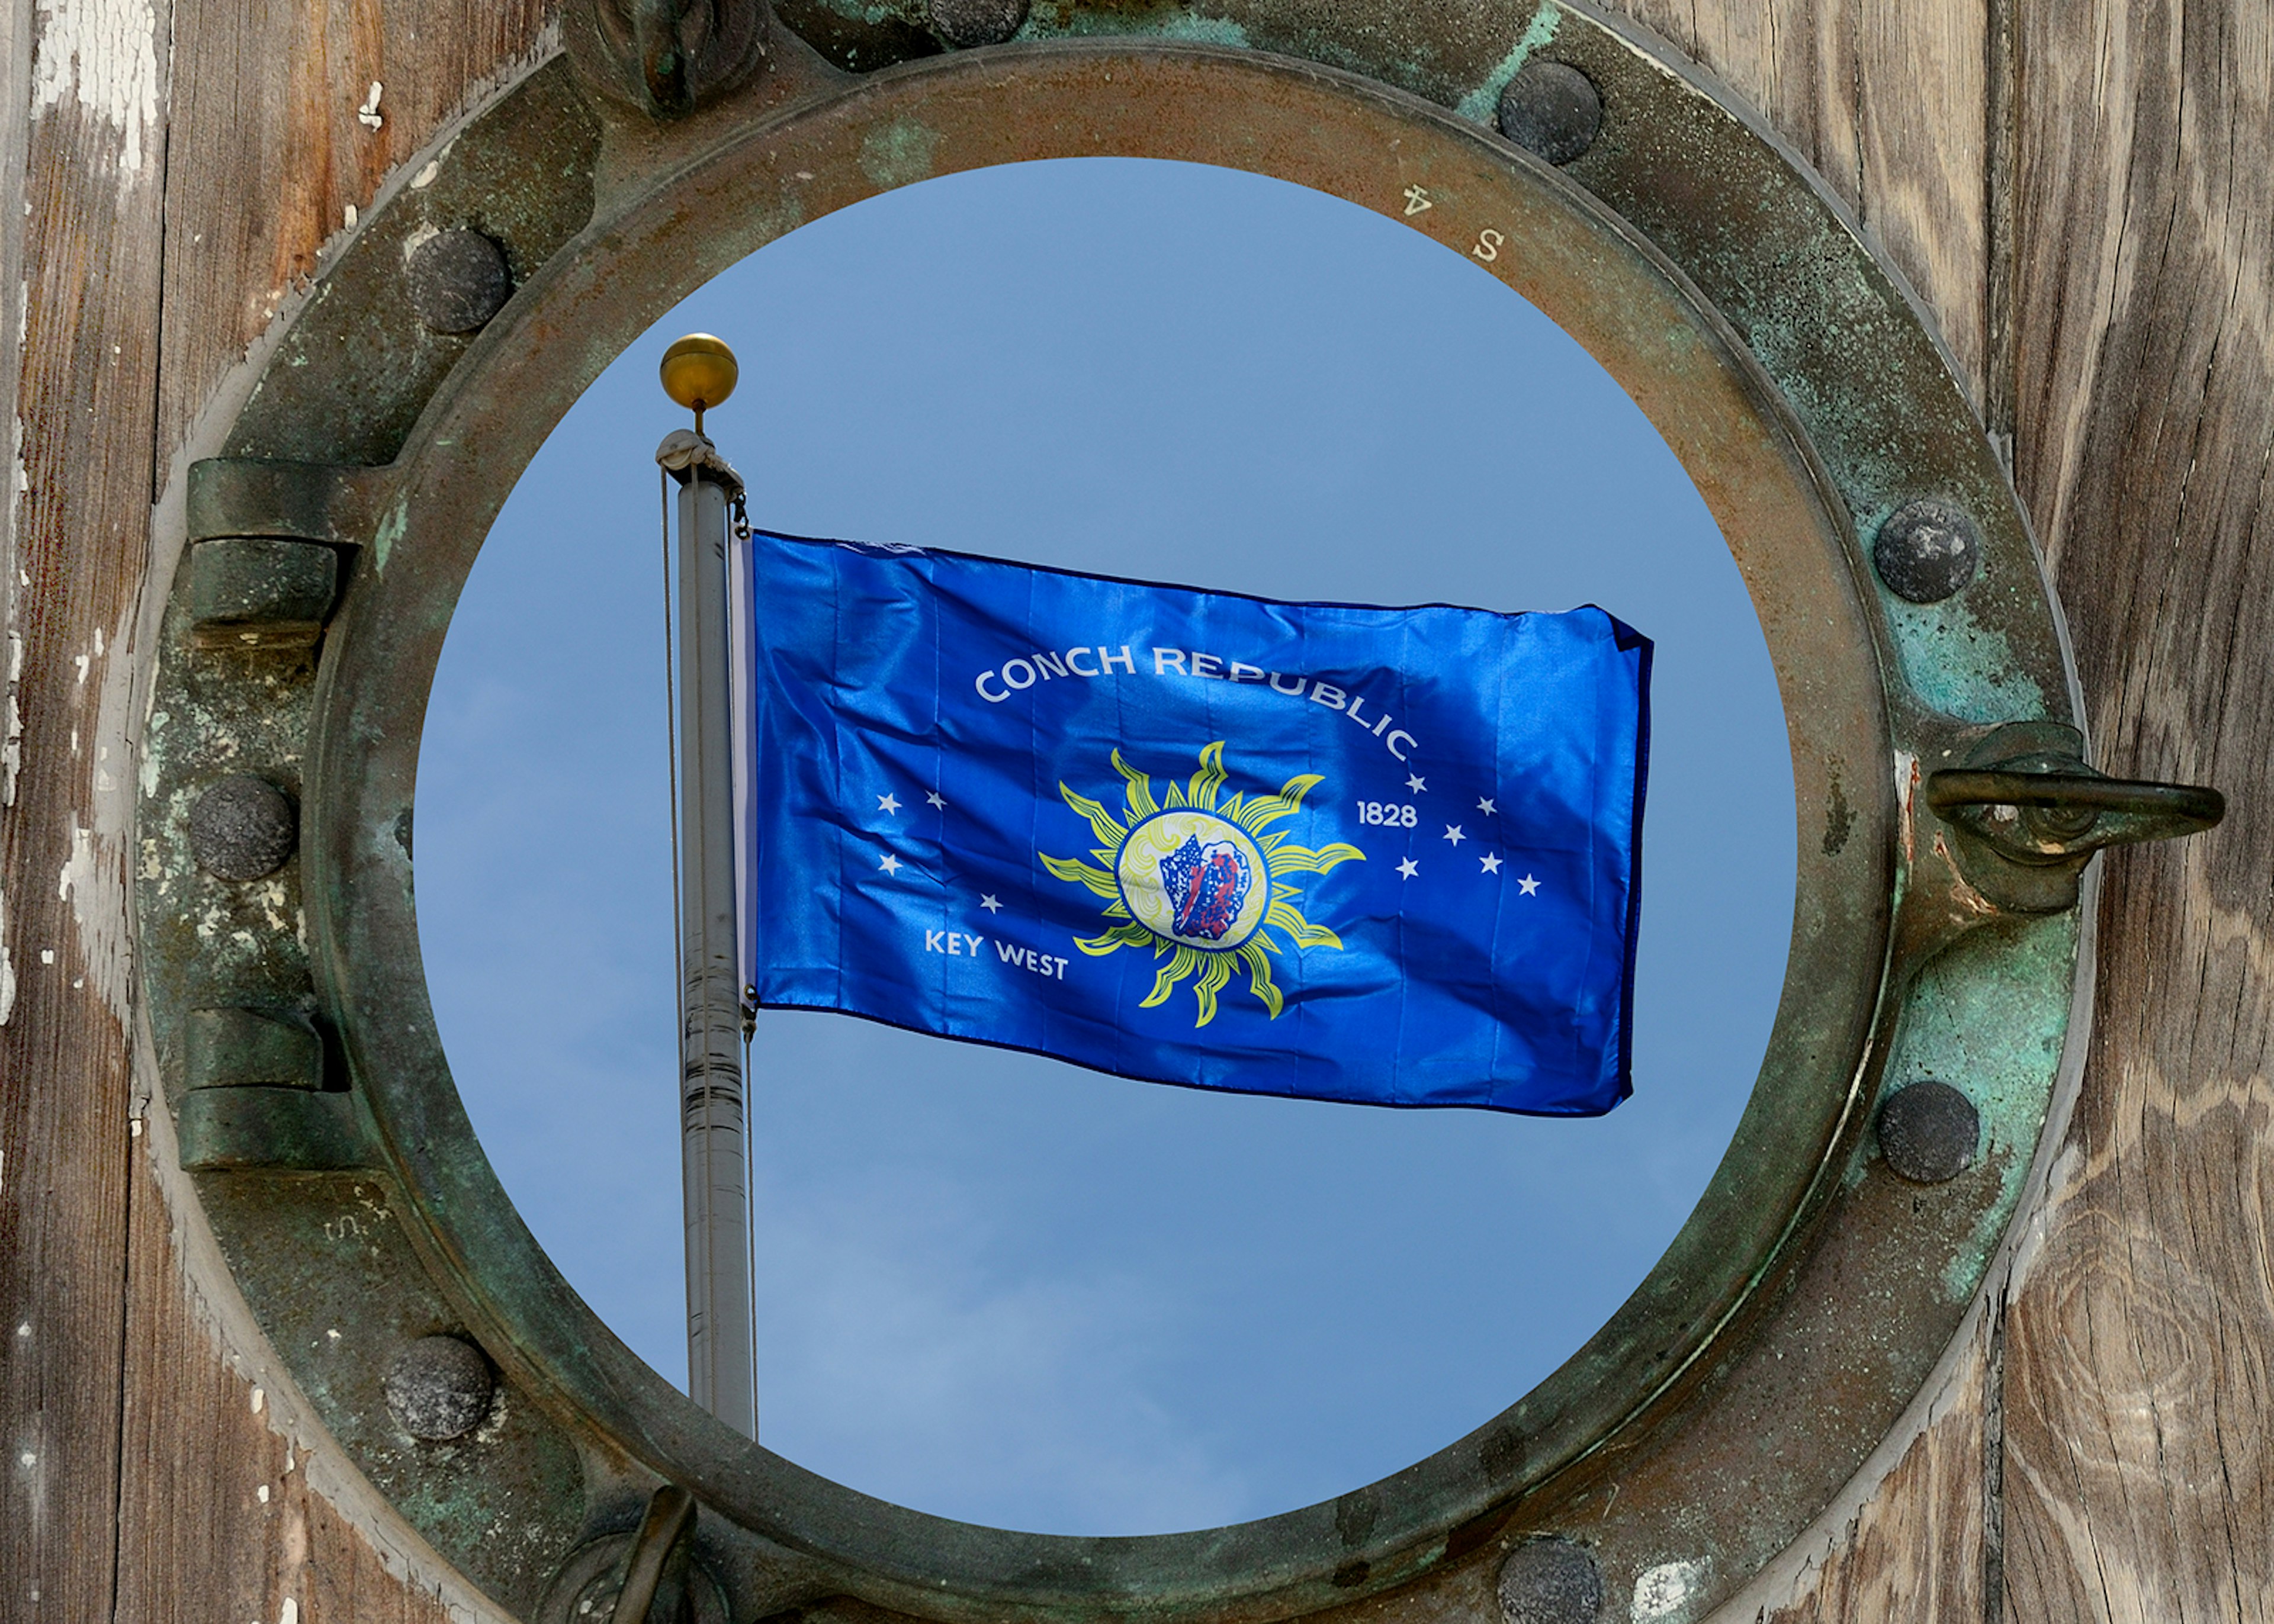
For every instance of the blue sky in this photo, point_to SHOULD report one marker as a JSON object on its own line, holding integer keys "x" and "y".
{"x": 992, "y": 1286}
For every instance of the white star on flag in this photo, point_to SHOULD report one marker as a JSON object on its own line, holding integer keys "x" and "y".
{"x": 991, "y": 905}
{"x": 1453, "y": 833}
{"x": 1416, "y": 782}
{"x": 1527, "y": 886}
{"x": 937, "y": 798}
{"x": 1407, "y": 869}
{"x": 885, "y": 803}
{"x": 1492, "y": 863}
{"x": 1487, "y": 806}
{"x": 890, "y": 864}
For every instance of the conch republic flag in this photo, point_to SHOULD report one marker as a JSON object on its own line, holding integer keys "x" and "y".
{"x": 1387, "y": 856}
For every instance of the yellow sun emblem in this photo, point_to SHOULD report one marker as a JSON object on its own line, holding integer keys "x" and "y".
{"x": 1199, "y": 882}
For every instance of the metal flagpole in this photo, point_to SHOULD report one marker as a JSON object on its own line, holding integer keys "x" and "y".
{"x": 699, "y": 373}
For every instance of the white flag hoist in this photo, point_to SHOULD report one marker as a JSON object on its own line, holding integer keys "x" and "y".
{"x": 699, "y": 373}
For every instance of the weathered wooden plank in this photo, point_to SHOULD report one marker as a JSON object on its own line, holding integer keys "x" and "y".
{"x": 272, "y": 144}
{"x": 306, "y": 108}
{"x": 2138, "y": 1392}
{"x": 15, "y": 138}
{"x": 219, "y": 1519}
{"x": 93, "y": 147}
{"x": 1889, "y": 103}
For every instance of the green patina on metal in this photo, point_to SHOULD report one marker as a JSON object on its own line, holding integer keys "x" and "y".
{"x": 1155, "y": 21}
{"x": 1481, "y": 104}
{"x": 1962, "y": 667}
{"x": 900, "y": 154}
{"x": 1811, "y": 1292}
{"x": 1457, "y": 55}
{"x": 1991, "y": 1016}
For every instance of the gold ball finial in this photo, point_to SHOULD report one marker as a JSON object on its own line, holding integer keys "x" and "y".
{"x": 699, "y": 373}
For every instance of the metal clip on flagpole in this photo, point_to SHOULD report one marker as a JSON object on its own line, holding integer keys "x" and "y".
{"x": 699, "y": 373}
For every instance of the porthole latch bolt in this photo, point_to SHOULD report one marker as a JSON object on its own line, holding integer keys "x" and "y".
{"x": 2028, "y": 812}
{"x": 655, "y": 1567}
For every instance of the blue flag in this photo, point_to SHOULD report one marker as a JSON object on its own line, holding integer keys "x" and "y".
{"x": 1380, "y": 855}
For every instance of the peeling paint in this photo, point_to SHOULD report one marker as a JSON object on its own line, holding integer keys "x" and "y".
{"x": 7, "y": 966}
{"x": 1663, "y": 1592}
{"x": 102, "y": 57}
{"x": 2066, "y": 1170}
{"x": 12, "y": 729}
{"x": 150, "y": 762}
{"x": 390, "y": 531}
{"x": 93, "y": 882}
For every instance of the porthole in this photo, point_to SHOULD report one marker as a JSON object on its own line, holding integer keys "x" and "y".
{"x": 1716, "y": 1413}
{"x": 995, "y": 1287}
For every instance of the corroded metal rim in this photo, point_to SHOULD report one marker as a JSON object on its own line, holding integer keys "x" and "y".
{"x": 1701, "y": 265}
{"x": 1587, "y": 271}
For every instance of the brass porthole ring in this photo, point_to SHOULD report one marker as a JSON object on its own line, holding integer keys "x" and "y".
{"x": 323, "y": 545}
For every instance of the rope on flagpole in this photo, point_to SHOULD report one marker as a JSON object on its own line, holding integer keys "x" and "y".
{"x": 740, "y": 529}
{"x": 671, "y": 768}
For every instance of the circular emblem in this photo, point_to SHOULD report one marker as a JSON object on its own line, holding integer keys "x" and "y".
{"x": 1195, "y": 878}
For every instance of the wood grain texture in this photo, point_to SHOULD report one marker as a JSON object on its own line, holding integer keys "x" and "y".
{"x": 271, "y": 105}
{"x": 219, "y": 1521}
{"x": 1889, "y": 102}
{"x": 2138, "y": 1394}
{"x": 92, "y": 142}
{"x": 135, "y": 1461}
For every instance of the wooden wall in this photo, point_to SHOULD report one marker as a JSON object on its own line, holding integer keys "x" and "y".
{"x": 2082, "y": 192}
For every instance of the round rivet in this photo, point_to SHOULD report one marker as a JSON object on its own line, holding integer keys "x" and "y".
{"x": 242, "y": 828}
{"x": 1553, "y": 110}
{"x": 1929, "y": 1132}
{"x": 457, "y": 280}
{"x": 967, "y": 23}
{"x": 1927, "y": 550}
{"x": 439, "y": 1388}
{"x": 1550, "y": 1582}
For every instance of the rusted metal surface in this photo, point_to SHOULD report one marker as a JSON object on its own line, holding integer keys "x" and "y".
{"x": 1812, "y": 1289}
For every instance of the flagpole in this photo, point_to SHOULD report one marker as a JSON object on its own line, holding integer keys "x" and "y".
{"x": 699, "y": 373}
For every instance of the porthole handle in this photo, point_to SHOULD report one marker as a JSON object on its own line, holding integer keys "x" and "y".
{"x": 2031, "y": 812}
{"x": 665, "y": 1539}
{"x": 2052, "y": 815}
